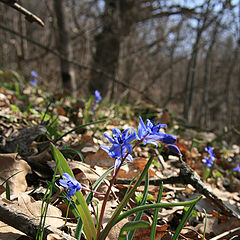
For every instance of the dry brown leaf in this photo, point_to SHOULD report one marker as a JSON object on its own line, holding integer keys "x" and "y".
{"x": 133, "y": 169}
{"x": 114, "y": 233}
{"x": 42, "y": 157}
{"x": 33, "y": 208}
{"x": 11, "y": 164}
{"x": 100, "y": 158}
{"x": 9, "y": 233}
{"x": 217, "y": 228}
{"x": 144, "y": 233}
{"x": 54, "y": 236}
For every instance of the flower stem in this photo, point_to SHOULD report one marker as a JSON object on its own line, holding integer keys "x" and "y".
{"x": 110, "y": 187}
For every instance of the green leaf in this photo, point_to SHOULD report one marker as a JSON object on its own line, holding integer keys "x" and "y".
{"x": 14, "y": 108}
{"x": 217, "y": 174}
{"x": 7, "y": 191}
{"x": 155, "y": 216}
{"x": 81, "y": 205}
{"x": 185, "y": 218}
{"x": 88, "y": 199}
{"x": 123, "y": 203}
{"x": 143, "y": 201}
{"x": 132, "y": 226}
{"x": 156, "y": 205}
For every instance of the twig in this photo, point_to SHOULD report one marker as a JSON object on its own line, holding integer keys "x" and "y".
{"x": 29, "y": 16}
{"x": 12, "y": 215}
{"x": 188, "y": 176}
{"x": 228, "y": 234}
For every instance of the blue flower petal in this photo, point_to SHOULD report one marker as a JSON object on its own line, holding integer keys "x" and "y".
{"x": 174, "y": 148}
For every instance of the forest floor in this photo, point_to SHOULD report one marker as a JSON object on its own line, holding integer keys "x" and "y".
{"x": 31, "y": 118}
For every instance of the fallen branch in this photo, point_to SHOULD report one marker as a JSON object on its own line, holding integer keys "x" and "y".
{"x": 188, "y": 176}
{"x": 12, "y": 215}
{"x": 29, "y": 16}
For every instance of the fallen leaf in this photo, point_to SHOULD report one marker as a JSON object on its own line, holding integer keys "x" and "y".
{"x": 33, "y": 208}
{"x": 9, "y": 233}
{"x": 144, "y": 233}
{"x": 54, "y": 236}
{"x": 10, "y": 165}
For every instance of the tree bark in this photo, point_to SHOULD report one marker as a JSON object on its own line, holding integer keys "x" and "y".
{"x": 65, "y": 49}
{"x": 204, "y": 110}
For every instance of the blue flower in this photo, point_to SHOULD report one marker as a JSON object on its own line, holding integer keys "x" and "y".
{"x": 210, "y": 152}
{"x": 98, "y": 97}
{"x": 33, "y": 82}
{"x": 208, "y": 160}
{"x": 150, "y": 133}
{"x": 34, "y": 74}
{"x": 237, "y": 168}
{"x": 174, "y": 148}
{"x": 72, "y": 184}
{"x": 121, "y": 146}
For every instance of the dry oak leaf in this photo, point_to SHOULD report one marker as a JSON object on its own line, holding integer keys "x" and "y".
{"x": 33, "y": 208}
{"x": 11, "y": 164}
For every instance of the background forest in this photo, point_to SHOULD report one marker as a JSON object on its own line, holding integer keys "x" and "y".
{"x": 179, "y": 55}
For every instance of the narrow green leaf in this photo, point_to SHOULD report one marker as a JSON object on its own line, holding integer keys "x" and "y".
{"x": 125, "y": 200}
{"x": 184, "y": 219}
{"x": 132, "y": 226}
{"x": 88, "y": 224}
{"x": 139, "y": 214}
{"x": 205, "y": 224}
{"x": 156, "y": 205}
{"x": 7, "y": 191}
{"x": 155, "y": 216}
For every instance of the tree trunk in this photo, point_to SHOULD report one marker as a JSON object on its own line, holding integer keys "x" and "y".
{"x": 204, "y": 111}
{"x": 192, "y": 64}
{"x": 105, "y": 59}
{"x": 65, "y": 49}
{"x": 117, "y": 21}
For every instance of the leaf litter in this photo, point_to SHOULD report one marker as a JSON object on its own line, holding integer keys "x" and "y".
{"x": 24, "y": 152}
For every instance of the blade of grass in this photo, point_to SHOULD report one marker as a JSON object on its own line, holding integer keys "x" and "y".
{"x": 155, "y": 216}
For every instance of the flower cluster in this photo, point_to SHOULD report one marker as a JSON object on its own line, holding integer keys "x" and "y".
{"x": 34, "y": 81}
{"x": 121, "y": 148}
{"x": 71, "y": 184}
{"x": 208, "y": 160}
{"x": 98, "y": 97}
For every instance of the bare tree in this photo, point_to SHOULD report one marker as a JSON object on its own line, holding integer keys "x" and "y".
{"x": 65, "y": 48}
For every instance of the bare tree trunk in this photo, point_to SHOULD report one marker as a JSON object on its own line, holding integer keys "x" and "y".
{"x": 117, "y": 21}
{"x": 192, "y": 64}
{"x": 172, "y": 52}
{"x": 64, "y": 47}
{"x": 204, "y": 111}
{"x": 106, "y": 56}
{"x": 228, "y": 87}
{"x": 190, "y": 78}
